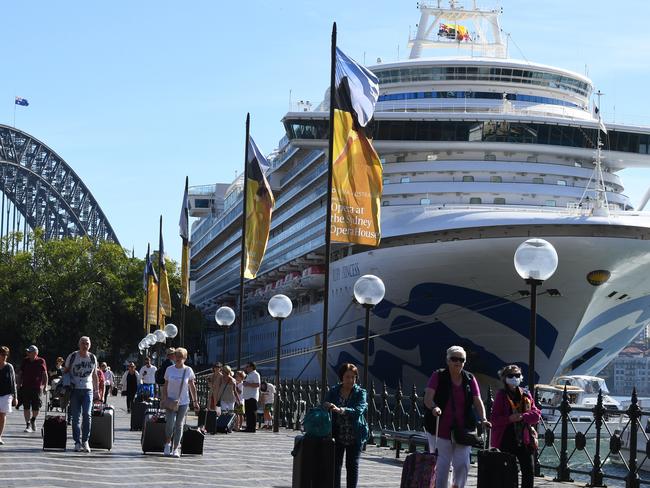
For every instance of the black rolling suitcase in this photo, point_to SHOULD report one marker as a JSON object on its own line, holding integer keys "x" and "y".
{"x": 102, "y": 428}
{"x": 138, "y": 411}
{"x": 225, "y": 422}
{"x": 496, "y": 468}
{"x": 153, "y": 433}
{"x": 192, "y": 441}
{"x": 54, "y": 432}
{"x": 313, "y": 462}
{"x": 210, "y": 421}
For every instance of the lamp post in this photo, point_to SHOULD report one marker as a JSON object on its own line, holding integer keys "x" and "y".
{"x": 150, "y": 340}
{"x": 224, "y": 316}
{"x": 280, "y": 308}
{"x": 369, "y": 290}
{"x": 535, "y": 261}
{"x": 161, "y": 337}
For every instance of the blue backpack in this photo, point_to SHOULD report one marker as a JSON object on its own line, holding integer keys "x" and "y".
{"x": 317, "y": 423}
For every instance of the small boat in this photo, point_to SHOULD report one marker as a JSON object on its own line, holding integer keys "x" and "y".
{"x": 582, "y": 391}
{"x": 291, "y": 281}
{"x": 313, "y": 277}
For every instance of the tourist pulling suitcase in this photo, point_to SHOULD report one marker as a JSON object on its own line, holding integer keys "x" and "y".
{"x": 102, "y": 427}
{"x": 226, "y": 422}
{"x": 209, "y": 421}
{"x": 313, "y": 462}
{"x": 192, "y": 441}
{"x": 496, "y": 468}
{"x": 153, "y": 433}
{"x": 54, "y": 432}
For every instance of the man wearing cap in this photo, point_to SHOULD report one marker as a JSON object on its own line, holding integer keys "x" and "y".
{"x": 33, "y": 381}
{"x": 170, "y": 360}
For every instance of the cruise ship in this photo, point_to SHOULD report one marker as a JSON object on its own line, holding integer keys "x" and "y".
{"x": 480, "y": 152}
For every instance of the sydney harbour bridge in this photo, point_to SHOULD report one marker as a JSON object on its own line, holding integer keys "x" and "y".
{"x": 40, "y": 190}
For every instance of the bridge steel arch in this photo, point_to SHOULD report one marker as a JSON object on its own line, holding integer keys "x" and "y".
{"x": 47, "y": 191}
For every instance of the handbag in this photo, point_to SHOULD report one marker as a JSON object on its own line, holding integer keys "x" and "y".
{"x": 114, "y": 391}
{"x": 171, "y": 404}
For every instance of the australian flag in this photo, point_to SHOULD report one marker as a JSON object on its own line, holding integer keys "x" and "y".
{"x": 22, "y": 101}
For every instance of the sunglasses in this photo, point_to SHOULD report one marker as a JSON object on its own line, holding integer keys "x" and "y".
{"x": 513, "y": 375}
{"x": 457, "y": 359}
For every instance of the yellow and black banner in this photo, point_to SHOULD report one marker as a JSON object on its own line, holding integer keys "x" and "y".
{"x": 259, "y": 207}
{"x": 184, "y": 232}
{"x": 356, "y": 168}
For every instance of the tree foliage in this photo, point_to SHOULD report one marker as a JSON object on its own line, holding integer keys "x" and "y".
{"x": 60, "y": 290}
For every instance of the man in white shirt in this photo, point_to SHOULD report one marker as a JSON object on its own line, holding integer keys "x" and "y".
{"x": 251, "y": 395}
{"x": 148, "y": 377}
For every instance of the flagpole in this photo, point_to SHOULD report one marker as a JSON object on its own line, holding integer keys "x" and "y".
{"x": 14, "y": 113}
{"x": 243, "y": 245}
{"x": 160, "y": 265}
{"x": 146, "y": 313}
{"x": 328, "y": 217}
{"x": 185, "y": 285}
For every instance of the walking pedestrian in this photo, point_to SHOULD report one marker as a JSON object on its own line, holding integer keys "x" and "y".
{"x": 130, "y": 382}
{"x": 251, "y": 395}
{"x": 148, "y": 378}
{"x": 179, "y": 385}
{"x": 109, "y": 380}
{"x": 267, "y": 397}
{"x": 229, "y": 395}
{"x": 452, "y": 394}
{"x": 82, "y": 366}
{"x": 347, "y": 403}
{"x": 160, "y": 372}
{"x": 239, "y": 401}
{"x": 215, "y": 388}
{"x": 33, "y": 383}
{"x": 8, "y": 388}
{"x": 514, "y": 415}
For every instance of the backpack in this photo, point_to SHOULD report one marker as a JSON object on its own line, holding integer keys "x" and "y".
{"x": 317, "y": 422}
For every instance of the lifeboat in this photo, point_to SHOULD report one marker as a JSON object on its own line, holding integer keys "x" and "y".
{"x": 291, "y": 281}
{"x": 313, "y": 277}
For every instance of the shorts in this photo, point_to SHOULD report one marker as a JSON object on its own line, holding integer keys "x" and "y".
{"x": 268, "y": 407}
{"x": 239, "y": 409}
{"x": 31, "y": 398}
{"x": 227, "y": 406}
{"x": 5, "y": 403}
{"x": 146, "y": 389}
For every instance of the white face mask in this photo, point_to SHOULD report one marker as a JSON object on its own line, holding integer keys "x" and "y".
{"x": 513, "y": 381}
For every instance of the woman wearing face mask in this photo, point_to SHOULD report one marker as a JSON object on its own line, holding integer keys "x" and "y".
{"x": 514, "y": 415}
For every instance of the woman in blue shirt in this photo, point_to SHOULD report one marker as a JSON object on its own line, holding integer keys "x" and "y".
{"x": 347, "y": 403}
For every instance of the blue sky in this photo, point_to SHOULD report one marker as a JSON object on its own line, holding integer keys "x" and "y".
{"x": 136, "y": 95}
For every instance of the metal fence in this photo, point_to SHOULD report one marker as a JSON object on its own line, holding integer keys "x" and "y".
{"x": 593, "y": 449}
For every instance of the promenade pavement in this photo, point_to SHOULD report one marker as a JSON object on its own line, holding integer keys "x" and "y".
{"x": 262, "y": 459}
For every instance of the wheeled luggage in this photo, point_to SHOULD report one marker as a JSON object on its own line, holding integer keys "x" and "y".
{"x": 138, "y": 411}
{"x": 102, "y": 428}
{"x": 496, "y": 468}
{"x": 192, "y": 441}
{"x": 210, "y": 422}
{"x": 54, "y": 432}
{"x": 313, "y": 462}
{"x": 419, "y": 470}
{"x": 226, "y": 422}
{"x": 153, "y": 433}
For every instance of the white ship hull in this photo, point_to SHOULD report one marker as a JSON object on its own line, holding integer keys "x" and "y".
{"x": 467, "y": 292}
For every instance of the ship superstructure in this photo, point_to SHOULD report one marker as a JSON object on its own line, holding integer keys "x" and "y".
{"x": 479, "y": 152}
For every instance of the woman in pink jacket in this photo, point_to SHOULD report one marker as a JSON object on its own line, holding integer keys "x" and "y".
{"x": 514, "y": 415}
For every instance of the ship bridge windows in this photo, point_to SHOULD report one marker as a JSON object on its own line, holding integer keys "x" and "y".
{"x": 475, "y": 201}
{"x": 499, "y": 201}
{"x": 421, "y": 95}
{"x": 468, "y": 179}
{"x": 488, "y": 131}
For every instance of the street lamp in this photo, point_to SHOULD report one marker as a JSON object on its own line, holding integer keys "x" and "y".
{"x": 280, "y": 308}
{"x": 171, "y": 330}
{"x": 224, "y": 316}
{"x": 535, "y": 261}
{"x": 369, "y": 290}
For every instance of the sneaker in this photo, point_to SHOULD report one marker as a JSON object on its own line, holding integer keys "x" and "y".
{"x": 176, "y": 453}
{"x": 32, "y": 424}
{"x": 77, "y": 446}
{"x": 1, "y": 442}
{"x": 168, "y": 449}
{"x": 28, "y": 429}
{"x": 85, "y": 447}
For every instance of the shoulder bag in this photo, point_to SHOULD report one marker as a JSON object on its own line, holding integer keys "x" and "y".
{"x": 463, "y": 436}
{"x": 168, "y": 403}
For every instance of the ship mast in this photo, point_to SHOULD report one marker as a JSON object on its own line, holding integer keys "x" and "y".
{"x": 440, "y": 27}
{"x": 601, "y": 206}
